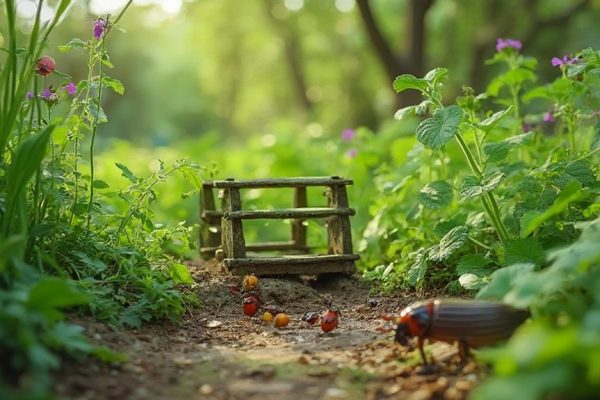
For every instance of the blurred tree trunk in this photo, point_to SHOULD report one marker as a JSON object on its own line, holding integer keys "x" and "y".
{"x": 411, "y": 61}
{"x": 293, "y": 56}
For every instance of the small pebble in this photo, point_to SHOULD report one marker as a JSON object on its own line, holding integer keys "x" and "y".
{"x": 205, "y": 389}
{"x": 373, "y": 302}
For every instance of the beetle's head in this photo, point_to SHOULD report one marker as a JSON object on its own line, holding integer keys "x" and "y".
{"x": 402, "y": 333}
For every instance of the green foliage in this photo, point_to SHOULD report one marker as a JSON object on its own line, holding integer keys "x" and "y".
{"x": 62, "y": 243}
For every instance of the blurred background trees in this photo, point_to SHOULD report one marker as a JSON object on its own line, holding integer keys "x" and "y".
{"x": 239, "y": 68}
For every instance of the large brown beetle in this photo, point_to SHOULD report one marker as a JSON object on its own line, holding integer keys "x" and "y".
{"x": 471, "y": 323}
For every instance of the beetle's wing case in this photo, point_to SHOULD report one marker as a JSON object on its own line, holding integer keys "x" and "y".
{"x": 478, "y": 323}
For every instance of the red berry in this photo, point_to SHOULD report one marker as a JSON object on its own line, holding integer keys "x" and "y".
{"x": 45, "y": 66}
{"x": 329, "y": 321}
{"x": 250, "y": 304}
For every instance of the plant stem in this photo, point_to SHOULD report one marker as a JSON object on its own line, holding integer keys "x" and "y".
{"x": 94, "y": 129}
{"x": 489, "y": 203}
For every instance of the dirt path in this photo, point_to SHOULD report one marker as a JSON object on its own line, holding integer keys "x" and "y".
{"x": 218, "y": 353}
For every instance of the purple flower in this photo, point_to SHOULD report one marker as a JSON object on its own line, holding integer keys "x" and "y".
{"x": 71, "y": 89}
{"x": 528, "y": 128}
{"x": 549, "y": 117}
{"x": 351, "y": 153}
{"x": 46, "y": 94}
{"x": 99, "y": 28}
{"x": 566, "y": 60}
{"x": 502, "y": 44}
{"x": 49, "y": 95}
{"x": 348, "y": 134}
{"x": 29, "y": 95}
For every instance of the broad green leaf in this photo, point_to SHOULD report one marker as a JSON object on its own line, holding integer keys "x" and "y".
{"x": 408, "y": 81}
{"x": 436, "y": 131}
{"x": 127, "y": 173}
{"x": 100, "y": 184}
{"x": 514, "y": 77}
{"x": 451, "y": 242}
{"x": 113, "y": 84}
{"x": 491, "y": 121}
{"x": 527, "y": 250}
{"x": 26, "y": 161}
{"x": 97, "y": 114}
{"x": 474, "y": 264}
{"x": 472, "y": 187}
{"x": 436, "y": 194}
{"x": 417, "y": 271}
{"x": 180, "y": 274}
{"x": 48, "y": 294}
{"x": 532, "y": 220}
{"x": 581, "y": 171}
{"x": 503, "y": 280}
{"x": 497, "y": 151}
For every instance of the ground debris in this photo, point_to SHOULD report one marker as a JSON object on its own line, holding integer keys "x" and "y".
{"x": 219, "y": 353}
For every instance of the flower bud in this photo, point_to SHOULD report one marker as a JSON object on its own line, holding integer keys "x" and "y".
{"x": 45, "y": 66}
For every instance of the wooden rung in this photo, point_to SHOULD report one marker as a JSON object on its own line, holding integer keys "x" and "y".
{"x": 283, "y": 213}
{"x": 265, "y": 246}
{"x": 289, "y": 260}
{"x": 211, "y": 213}
{"x": 281, "y": 182}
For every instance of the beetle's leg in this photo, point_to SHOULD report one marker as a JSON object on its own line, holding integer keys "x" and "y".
{"x": 463, "y": 352}
{"x": 421, "y": 342}
{"x": 427, "y": 368}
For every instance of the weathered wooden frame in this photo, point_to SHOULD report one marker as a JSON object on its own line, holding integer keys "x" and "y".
{"x": 222, "y": 230}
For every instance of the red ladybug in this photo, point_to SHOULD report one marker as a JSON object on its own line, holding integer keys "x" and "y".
{"x": 329, "y": 320}
{"x": 250, "y": 304}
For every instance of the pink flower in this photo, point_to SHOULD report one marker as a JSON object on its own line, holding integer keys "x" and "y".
{"x": 549, "y": 117}
{"x": 348, "y": 134}
{"x": 351, "y": 153}
{"x": 566, "y": 60}
{"x": 502, "y": 44}
{"x": 29, "y": 95}
{"x": 49, "y": 95}
{"x": 71, "y": 89}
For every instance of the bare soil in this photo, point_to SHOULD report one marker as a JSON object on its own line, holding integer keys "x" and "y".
{"x": 219, "y": 353}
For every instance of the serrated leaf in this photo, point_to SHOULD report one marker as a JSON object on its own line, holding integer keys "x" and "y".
{"x": 408, "y": 81}
{"x": 502, "y": 281}
{"x": 471, "y": 187}
{"x": 436, "y": 194}
{"x": 436, "y": 131}
{"x": 436, "y": 75}
{"x": 417, "y": 271}
{"x": 127, "y": 173}
{"x": 451, "y": 242}
{"x": 491, "y": 121}
{"x": 581, "y": 171}
{"x": 113, "y": 84}
{"x": 521, "y": 251}
{"x": 532, "y": 220}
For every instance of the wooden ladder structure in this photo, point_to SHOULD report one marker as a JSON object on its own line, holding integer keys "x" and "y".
{"x": 222, "y": 230}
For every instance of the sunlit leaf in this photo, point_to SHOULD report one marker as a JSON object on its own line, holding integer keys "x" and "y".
{"x": 503, "y": 280}
{"x": 408, "y": 81}
{"x": 451, "y": 242}
{"x": 472, "y": 187}
{"x": 436, "y": 131}
{"x": 436, "y": 194}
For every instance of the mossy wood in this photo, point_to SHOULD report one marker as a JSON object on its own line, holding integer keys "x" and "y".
{"x": 222, "y": 230}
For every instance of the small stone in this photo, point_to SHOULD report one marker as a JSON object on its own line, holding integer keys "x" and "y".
{"x": 463, "y": 385}
{"x": 373, "y": 302}
{"x": 420, "y": 394}
{"x": 214, "y": 324}
{"x": 205, "y": 389}
{"x": 335, "y": 393}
